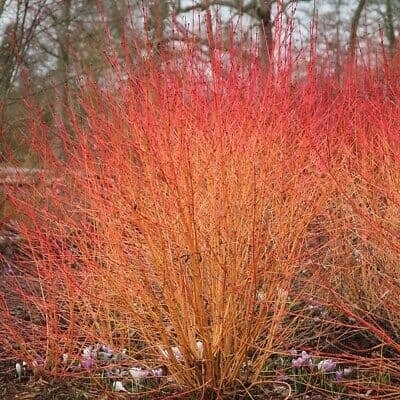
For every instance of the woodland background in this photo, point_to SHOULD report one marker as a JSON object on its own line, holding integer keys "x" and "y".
{"x": 42, "y": 40}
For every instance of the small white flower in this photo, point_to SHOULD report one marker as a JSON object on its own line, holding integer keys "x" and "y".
{"x": 177, "y": 353}
{"x": 357, "y": 255}
{"x": 347, "y": 372}
{"x": 87, "y": 351}
{"x": 200, "y": 348}
{"x": 118, "y": 387}
{"x": 159, "y": 372}
{"x": 175, "y": 350}
{"x": 64, "y": 358}
{"x": 18, "y": 369}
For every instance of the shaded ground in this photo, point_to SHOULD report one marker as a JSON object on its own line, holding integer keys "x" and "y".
{"x": 38, "y": 389}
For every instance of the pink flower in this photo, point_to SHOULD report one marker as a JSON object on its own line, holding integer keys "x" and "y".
{"x": 327, "y": 366}
{"x": 339, "y": 375}
{"x": 38, "y": 362}
{"x": 138, "y": 373}
{"x": 303, "y": 361}
{"x": 297, "y": 362}
{"x": 87, "y": 362}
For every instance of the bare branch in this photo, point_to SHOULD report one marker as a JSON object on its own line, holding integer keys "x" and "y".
{"x": 354, "y": 27}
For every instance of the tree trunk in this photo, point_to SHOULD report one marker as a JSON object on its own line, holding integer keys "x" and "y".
{"x": 266, "y": 38}
{"x": 354, "y": 27}
{"x": 63, "y": 64}
{"x": 158, "y": 13}
{"x": 389, "y": 28}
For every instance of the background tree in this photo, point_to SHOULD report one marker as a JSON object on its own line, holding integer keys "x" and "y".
{"x": 354, "y": 26}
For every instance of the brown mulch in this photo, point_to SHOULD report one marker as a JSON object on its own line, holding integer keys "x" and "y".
{"x": 44, "y": 388}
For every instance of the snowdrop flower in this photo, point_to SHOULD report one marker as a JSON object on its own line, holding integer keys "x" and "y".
{"x": 200, "y": 348}
{"x": 327, "y": 366}
{"x": 64, "y": 358}
{"x": 118, "y": 387}
{"x": 18, "y": 369}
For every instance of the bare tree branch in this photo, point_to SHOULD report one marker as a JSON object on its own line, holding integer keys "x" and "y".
{"x": 354, "y": 27}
